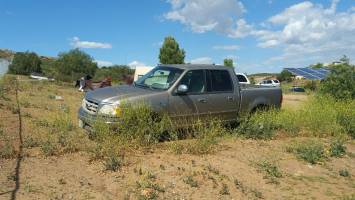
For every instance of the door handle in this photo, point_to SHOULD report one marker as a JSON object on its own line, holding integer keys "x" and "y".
{"x": 202, "y": 100}
{"x": 230, "y": 98}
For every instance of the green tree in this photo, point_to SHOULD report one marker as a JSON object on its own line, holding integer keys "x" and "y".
{"x": 74, "y": 64}
{"x": 48, "y": 67}
{"x": 284, "y": 76}
{"x": 25, "y": 63}
{"x": 317, "y": 66}
{"x": 340, "y": 82}
{"x": 170, "y": 52}
{"x": 345, "y": 59}
{"x": 228, "y": 62}
{"x": 116, "y": 72}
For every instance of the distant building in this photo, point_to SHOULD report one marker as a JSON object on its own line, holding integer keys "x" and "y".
{"x": 4, "y": 66}
{"x": 141, "y": 71}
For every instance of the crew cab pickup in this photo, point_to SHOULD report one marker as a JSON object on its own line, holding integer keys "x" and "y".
{"x": 182, "y": 91}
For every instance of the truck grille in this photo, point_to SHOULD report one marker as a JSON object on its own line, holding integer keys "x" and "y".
{"x": 91, "y": 106}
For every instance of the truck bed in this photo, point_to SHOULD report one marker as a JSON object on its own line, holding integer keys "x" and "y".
{"x": 253, "y": 95}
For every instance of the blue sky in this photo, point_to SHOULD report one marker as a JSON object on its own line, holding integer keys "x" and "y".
{"x": 260, "y": 35}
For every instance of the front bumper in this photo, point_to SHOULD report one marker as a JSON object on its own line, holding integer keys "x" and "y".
{"x": 87, "y": 120}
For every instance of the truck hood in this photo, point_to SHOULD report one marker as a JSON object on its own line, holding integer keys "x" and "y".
{"x": 117, "y": 93}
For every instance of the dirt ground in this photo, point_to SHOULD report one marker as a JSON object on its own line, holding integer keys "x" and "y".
{"x": 231, "y": 172}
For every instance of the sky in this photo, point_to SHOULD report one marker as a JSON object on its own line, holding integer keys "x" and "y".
{"x": 259, "y": 35}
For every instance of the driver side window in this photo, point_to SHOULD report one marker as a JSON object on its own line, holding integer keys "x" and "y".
{"x": 195, "y": 81}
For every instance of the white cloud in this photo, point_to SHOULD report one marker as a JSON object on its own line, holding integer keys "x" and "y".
{"x": 77, "y": 43}
{"x": 102, "y": 63}
{"x": 226, "y": 47}
{"x": 200, "y": 16}
{"x": 308, "y": 32}
{"x": 135, "y": 64}
{"x": 202, "y": 60}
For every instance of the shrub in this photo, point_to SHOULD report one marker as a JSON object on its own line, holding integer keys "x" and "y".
{"x": 344, "y": 173}
{"x": 271, "y": 171}
{"x": 6, "y": 149}
{"x": 337, "y": 147}
{"x": 30, "y": 142}
{"x": 311, "y": 85}
{"x": 311, "y": 151}
{"x": 224, "y": 190}
{"x": 74, "y": 64}
{"x": 49, "y": 148}
{"x": 340, "y": 82}
{"x": 25, "y": 63}
{"x": 260, "y": 125}
{"x": 189, "y": 180}
{"x": 205, "y": 137}
{"x": 285, "y": 76}
{"x": 113, "y": 163}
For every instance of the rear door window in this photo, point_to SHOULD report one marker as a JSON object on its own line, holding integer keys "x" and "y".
{"x": 195, "y": 81}
{"x": 241, "y": 78}
{"x": 219, "y": 81}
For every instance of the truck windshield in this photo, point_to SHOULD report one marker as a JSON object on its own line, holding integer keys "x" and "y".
{"x": 159, "y": 78}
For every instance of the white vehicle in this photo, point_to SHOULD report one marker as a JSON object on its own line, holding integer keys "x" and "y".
{"x": 270, "y": 83}
{"x": 242, "y": 78}
{"x": 40, "y": 77}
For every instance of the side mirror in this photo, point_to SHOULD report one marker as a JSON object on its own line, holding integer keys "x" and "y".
{"x": 182, "y": 89}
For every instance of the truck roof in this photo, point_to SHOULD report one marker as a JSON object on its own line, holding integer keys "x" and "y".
{"x": 195, "y": 66}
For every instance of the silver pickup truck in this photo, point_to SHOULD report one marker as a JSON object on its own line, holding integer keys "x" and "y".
{"x": 182, "y": 91}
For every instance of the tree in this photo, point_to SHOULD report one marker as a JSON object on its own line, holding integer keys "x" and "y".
{"x": 116, "y": 72}
{"x": 228, "y": 62}
{"x": 25, "y": 63}
{"x": 340, "y": 82}
{"x": 285, "y": 76}
{"x": 345, "y": 59}
{"x": 74, "y": 64}
{"x": 316, "y": 66}
{"x": 170, "y": 52}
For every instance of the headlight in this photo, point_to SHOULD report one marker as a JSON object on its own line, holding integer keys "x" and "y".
{"x": 110, "y": 109}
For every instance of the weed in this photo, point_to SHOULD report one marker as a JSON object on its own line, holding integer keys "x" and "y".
{"x": 206, "y": 136}
{"x": 271, "y": 171}
{"x": 348, "y": 197}
{"x": 239, "y": 185}
{"x": 113, "y": 163}
{"x": 224, "y": 190}
{"x": 7, "y": 150}
{"x": 213, "y": 170}
{"x": 337, "y": 147}
{"x": 30, "y": 142}
{"x": 344, "y": 173}
{"x": 162, "y": 167}
{"x": 49, "y": 148}
{"x": 311, "y": 151}
{"x": 259, "y": 125}
{"x": 62, "y": 181}
{"x": 256, "y": 193}
{"x": 149, "y": 189}
{"x": 190, "y": 181}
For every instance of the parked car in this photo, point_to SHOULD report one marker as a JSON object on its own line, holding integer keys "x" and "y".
{"x": 270, "y": 83}
{"x": 182, "y": 91}
{"x": 297, "y": 89}
{"x": 242, "y": 78}
{"x": 40, "y": 77}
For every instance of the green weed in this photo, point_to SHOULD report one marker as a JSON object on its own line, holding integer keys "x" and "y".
{"x": 311, "y": 151}
{"x": 337, "y": 147}
{"x": 189, "y": 180}
{"x": 344, "y": 173}
{"x": 270, "y": 170}
{"x": 113, "y": 163}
